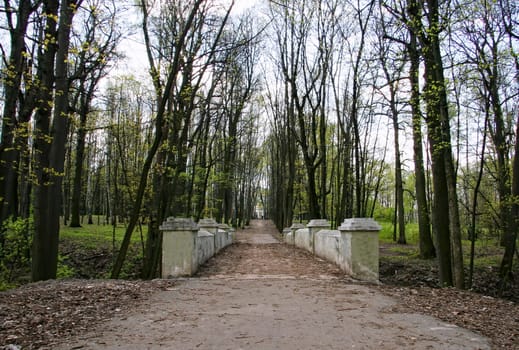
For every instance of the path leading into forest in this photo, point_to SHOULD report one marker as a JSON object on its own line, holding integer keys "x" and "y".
{"x": 260, "y": 294}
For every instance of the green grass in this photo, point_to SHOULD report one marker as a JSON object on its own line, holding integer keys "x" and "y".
{"x": 92, "y": 235}
{"x": 487, "y": 251}
{"x": 386, "y": 234}
{"x": 88, "y": 251}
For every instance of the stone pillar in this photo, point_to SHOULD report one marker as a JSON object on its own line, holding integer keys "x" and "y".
{"x": 179, "y": 251}
{"x": 315, "y": 226}
{"x": 359, "y": 248}
{"x": 296, "y": 226}
{"x": 211, "y": 226}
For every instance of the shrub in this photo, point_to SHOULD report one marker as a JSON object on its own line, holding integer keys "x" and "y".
{"x": 15, "y": 250}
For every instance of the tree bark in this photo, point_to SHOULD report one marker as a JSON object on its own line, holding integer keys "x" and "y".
{"x": 510, "y": 237}
{"x": 80, "y": 156}
{"x": 439, "y": 139}
{"x": 9, "y": 153}
{"x": 44, "y": 245}
{"x": 426, "y": 245}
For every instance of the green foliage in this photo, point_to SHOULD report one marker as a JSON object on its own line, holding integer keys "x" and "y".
{"x": 91, "y": 236}
{"x": 384, "y": 214}
{"x": 386, "y": 233}
{"x": 133, "y": 264}
{"x": 15, "y": 251}
{"x": 88, "y": 251}
{"x": 4, "y": 285}
{"x": 64, "y": 270}
{"x": 488, "y": 252}
{"x": 412, "y": 233}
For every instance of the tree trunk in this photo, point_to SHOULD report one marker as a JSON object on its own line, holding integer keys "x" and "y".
{"x": 399, "y": 187}
{"x": 427, "y": 250}
{"x": 445, "y": 215}
{"x": 153, "y": 246}
{"x": 45, "y": 242}
{"x": 9, "y": 154}
{"x": 434, "y": 60}
{"x": 60, "y": 125}
{"x": 78, "y": 167}
{"x": 434, "y": 94}
{"x": 440, "y": 212}
{"x": 510, "y": 238}
{"x": 399, "y": 221}
{"x": 456, "y": 245}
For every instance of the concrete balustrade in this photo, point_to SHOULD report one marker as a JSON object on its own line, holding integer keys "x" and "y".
{"x": 179, "y": 247}
{"x": 221, "y": 238}
{"x": 314, "y": 226}
{"x": 204, "y": 246}
{"x": 210, "y": 226}
{"x": 353, "y": 247}
{"x": 186, "y": 245}
{"x": 302, "y": 239}
{"x": 285, "y": 234}
{"x": 294, "y": 228}
{"x": 328, "y": 245}
{"x": 359, "y": 249}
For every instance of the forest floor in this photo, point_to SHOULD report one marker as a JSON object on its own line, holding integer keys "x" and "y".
{"x": 258, "y": 294}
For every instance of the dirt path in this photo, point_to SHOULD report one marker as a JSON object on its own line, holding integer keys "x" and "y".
{"x": 260, "y": 294}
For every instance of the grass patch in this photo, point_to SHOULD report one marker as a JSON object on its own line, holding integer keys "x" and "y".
{"x": 409, "y": 251}
{"x": 92, "y": 235}
{"x": 487, "y": 254}
{"x": 487, "y": 251}
{"x": 386, "y": 233}
{"x": 89, "y": 251}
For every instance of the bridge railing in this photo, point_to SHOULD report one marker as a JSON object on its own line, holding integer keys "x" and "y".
{"x": 186, "y": 245}
{"x": 353, "y": 247}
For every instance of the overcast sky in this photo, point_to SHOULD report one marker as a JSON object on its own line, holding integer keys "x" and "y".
{"x": 132, "y": 46}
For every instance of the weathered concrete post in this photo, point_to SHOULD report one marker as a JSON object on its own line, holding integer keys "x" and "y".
{"x": 359, "y": 248}
{"x": 211, "y": 226}
{"x": 315, "y": 226}
{"x": 296, "y": 226}
{"x": 179, "y": 253}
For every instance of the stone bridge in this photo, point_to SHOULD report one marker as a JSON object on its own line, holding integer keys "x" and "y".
{"x": 353, "y": 247}
{"x": 261, "y": 293}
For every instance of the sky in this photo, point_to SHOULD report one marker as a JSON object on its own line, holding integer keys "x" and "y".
{"x": 132, "y": 46}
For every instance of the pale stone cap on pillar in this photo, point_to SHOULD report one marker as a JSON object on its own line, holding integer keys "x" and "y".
{"x": 178, "y": 224}
{"x": 319, "y": 223}
{"x": 204, "y": 233}
{"x": 360, "y": 224}
{"x": 207, "y": 222}
{"x": 224, "y": 227}
{"x": 297, "y": 226}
